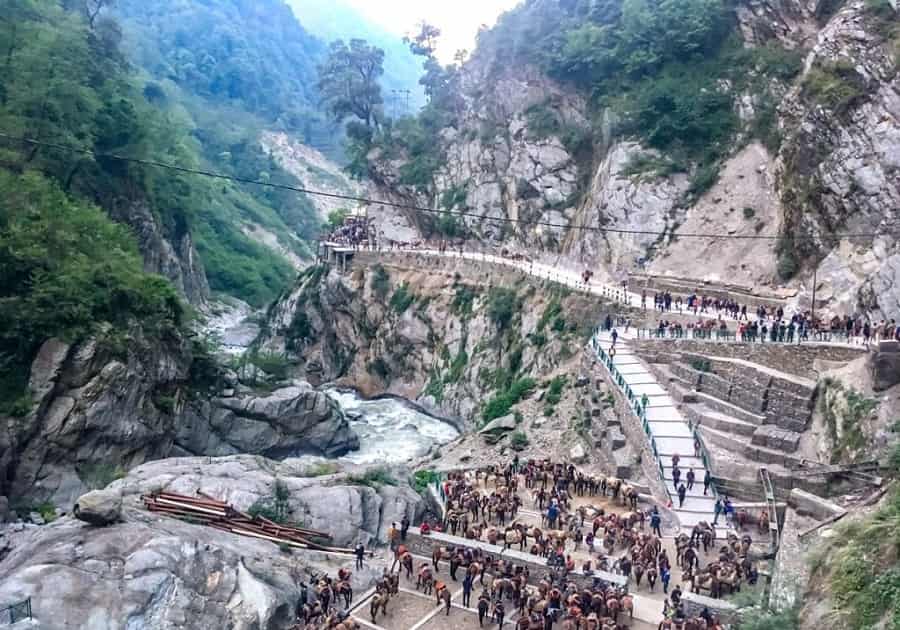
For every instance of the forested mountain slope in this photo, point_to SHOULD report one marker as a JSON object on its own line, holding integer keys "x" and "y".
{"x": 662, "y": 119}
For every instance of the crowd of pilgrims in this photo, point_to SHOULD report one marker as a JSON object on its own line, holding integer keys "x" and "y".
{"x": 769, "y": 324}
{"x": 354, "y": 232}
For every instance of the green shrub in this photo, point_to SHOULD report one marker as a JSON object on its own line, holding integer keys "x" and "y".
{"x": 99, "y": 475}
{"x": 402, "y": 298}
{"x": 275, "y": 507}
{"x": 501, "y": 403}
{"x": 300, "y": 330}
{"x": 463, "y": 300}
{"x": 320, "y": 470}
{"x": 555, "y": 390}
{"x": 381, "y": 281}
{"x": 454, "y": 196}
{"x": 373, "y": 478}
{"x": 551, "y": 312}
{"x": 542, "y": 121}
{"x": 538, "y": 339}
{"x": 749, "y": 213}
{"x": 704, "y": 178}
{"x": 275, "y": 365}
{"x": 648, "y": 164}
{"x": 457, "y": 367}
{"x": 518, "y": 441}
{"x": 502, "y": 306}
{"x": 836, "y": 86}
{"x": 422, "y": 479}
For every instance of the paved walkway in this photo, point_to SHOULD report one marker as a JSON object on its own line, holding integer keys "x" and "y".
{"x": 670, "y": 432}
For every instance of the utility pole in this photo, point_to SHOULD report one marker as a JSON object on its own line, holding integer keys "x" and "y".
{"x": 812, "y": 315}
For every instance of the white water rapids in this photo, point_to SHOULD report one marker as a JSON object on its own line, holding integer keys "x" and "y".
{"x": 390, "y": 430}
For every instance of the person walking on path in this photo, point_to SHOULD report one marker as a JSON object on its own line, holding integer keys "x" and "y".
{"x": 404, "y": 527}
{"x": 483, "y": 605}
{"x": 360, "y": 553}
{"x": 682, "y": 492}
{"x": 393, "y": 537}
{"x": 697, "y": 447}
{"x": 499, "y": 613}
{"x": 655, "y": 522}
{"x": 690, "y": 479}
{"x": 615, "y": 336}
{"x": 707, "y": 481}
{"x": 467, "y": 589}
{"x": 676, "y": 475}
{"x": 664, "y": 576}
{"x": 718, "y": 510}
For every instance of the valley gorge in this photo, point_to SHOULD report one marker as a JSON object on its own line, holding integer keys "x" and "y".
{"x": 164, "y": 332}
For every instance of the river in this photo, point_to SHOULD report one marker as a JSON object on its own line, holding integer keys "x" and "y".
{"x": 391, "y": 431}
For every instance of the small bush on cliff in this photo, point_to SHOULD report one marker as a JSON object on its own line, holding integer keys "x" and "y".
{"x": 836, "y": 86}
{"x": 500, "y": 405}
{"x": 373, "y": 478}
{"x": 381, "y": 281}
{"x": 518, "y": 441}
{"x": 502, "y": 306}
{"x": 424, "y": 478}
{"x": 276, "y": 506}
{"x": 402, "y": 299}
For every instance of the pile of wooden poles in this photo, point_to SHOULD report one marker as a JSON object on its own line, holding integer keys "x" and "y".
{"x": 206, "y": 510}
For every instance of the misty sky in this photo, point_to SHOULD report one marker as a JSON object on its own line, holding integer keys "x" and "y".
{"x": 458, "y": 19}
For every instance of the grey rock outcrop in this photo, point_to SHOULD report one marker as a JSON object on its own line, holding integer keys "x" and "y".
{"x": 100, "y": 406}
{"x": 99, "y": 507}
{"x": 169, "y": 254}
{"x": 885, "y": 366}
{"x": 153, "y": 571}
{"x": 290, "y": 421}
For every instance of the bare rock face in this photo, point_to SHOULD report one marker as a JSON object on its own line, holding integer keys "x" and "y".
{"x": 290, "y": 421}
{"x": 885, "y": 366}
{"x": 100, "y": 408}
{"x": 171, "y": 255}
{"x": 153, "y": 571}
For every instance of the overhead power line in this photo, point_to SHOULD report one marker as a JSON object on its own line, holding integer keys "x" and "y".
{"x": 405, "y": 206}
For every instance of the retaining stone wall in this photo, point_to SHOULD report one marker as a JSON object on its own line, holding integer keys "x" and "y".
{"x": 793, "y": 359}
{"x": 694, "y": 605}
{"x": 537, "y": 567}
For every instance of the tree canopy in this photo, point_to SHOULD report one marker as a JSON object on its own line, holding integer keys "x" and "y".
{"x": 348, "y": 81}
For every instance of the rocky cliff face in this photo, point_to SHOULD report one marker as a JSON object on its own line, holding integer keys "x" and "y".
{"x": 515, "y": 154}
{"x": 119, "y": 400}
{"x": 427, "y": 329}
{"x": 165, "y": 252}
{"x": 154, "y": 571}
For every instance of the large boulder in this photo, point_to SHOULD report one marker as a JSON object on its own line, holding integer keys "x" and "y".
{"x": 291, "y": 421}
{"x": 150, "y": 570}
{"x": 99, "y": 507}
{"x": 504, "y": 423}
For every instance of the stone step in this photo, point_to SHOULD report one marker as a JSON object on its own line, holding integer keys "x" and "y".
{"x": 670, "y": 429}
{"x": 696, "y": 491}
{"x": 701, "y": 415}
{"x": 775, "y": 438}
{"x": 668, "y": 446}
{"x": 743, "y": 446}
{"x": 685, "y": 462}
{"x": 723, "y": 406}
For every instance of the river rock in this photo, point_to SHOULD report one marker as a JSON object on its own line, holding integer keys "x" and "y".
{"x": 96, "y": 404}
{"x": 150, "y": 567}
{"x": 99, "y": 507}
{"x": 504, "y": 423}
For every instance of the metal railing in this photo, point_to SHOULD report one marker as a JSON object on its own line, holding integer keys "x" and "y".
{"x": 16, "y": 612}
{"x": 639, "y": 407}
{"x": 725, "y": 336}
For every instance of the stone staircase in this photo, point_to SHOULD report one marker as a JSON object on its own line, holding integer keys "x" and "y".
{"x": 741, "y": 408}
{"x": 669, "y": 432}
